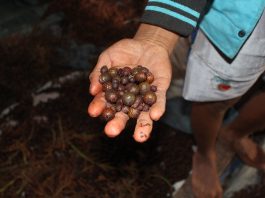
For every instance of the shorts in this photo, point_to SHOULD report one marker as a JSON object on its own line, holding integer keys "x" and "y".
{"x": 212, "y": 77}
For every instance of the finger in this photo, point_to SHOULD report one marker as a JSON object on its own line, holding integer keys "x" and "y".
{"x": 143, "y": 127}
{"x": 95, "y": 86}
{"x": 97, "y": 105}
{"x": 158, "y": 109}
{"x": 116, "y": 125}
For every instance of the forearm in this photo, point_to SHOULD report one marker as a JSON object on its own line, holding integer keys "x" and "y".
{"x": 157, "y": 35}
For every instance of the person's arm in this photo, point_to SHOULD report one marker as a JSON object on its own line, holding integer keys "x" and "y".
{"x": 157, "y": 36}
{"x": 150, "y": 47}
{"x": 164, "y": 21}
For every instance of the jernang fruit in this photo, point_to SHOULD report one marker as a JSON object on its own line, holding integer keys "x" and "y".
{"x": 128, "y": 90}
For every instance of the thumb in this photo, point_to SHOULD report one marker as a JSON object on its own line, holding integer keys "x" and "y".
{"x": 95, "y": 86}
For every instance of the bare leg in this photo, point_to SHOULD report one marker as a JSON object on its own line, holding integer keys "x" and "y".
{"x": 251, "y": 119}
{"x": 206, "y": 122}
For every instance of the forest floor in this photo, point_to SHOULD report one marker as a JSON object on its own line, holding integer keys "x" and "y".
{"x": 49, "y": 146}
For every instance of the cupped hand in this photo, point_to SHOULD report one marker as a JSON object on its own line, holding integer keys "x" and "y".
{"x": 133, "y": 52}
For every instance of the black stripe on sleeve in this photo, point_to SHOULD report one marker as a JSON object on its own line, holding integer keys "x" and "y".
{"x": 171, "y": 23}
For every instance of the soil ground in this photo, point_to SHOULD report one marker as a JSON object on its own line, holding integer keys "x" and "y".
{"x": 54, "y": 149}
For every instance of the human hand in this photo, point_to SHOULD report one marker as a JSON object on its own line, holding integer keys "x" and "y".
{"x": 132, "y": 52}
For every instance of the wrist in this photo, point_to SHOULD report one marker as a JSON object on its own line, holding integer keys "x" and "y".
{"x": 157, "y": 36}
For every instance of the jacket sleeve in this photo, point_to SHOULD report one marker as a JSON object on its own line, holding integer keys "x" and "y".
{"x": 179, "y": 16}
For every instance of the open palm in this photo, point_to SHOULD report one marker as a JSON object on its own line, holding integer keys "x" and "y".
{"x": 133, "y": 52}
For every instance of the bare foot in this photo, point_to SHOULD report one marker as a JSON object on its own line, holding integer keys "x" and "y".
{"x": 205, "y": 181}
{"x": 251, "y": 153}
{"x": 248, "y": 151}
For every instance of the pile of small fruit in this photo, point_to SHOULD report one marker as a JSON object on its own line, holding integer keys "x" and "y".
{"x": 126, "y": 89}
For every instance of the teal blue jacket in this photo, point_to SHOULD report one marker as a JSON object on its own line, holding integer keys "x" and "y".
{"x": 227, "y": 23}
